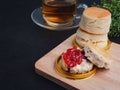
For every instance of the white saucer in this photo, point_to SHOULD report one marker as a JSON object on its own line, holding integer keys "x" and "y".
{"x": 38, "y": 19}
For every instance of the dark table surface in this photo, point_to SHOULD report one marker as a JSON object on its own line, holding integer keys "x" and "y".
{"x": 22, "y": 43}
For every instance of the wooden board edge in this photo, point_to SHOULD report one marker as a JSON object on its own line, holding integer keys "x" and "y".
{"x": 58, "y": 82}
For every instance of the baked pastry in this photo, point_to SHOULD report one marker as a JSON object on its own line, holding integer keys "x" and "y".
{"x": 97, "y": 56}
{"x": 94, "y": 27}
{"x": 83, "y": 37}
{"x": 96, "y": 20}
{"x": 74, "y": 61}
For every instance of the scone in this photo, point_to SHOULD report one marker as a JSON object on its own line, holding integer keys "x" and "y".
{"x": 74, "y": 61}
{"x": 82, "y": 37}
{"x": 97, "y": 56}
{"x": 96, "y": 20}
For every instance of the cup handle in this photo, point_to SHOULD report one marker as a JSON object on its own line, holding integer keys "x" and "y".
{"x": 80, "y": 9}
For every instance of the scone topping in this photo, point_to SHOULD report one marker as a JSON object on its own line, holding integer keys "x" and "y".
{"x": 73, "y": 57}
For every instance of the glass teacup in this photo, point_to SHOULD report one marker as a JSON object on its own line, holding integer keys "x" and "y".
{"x": 60, "y": 13}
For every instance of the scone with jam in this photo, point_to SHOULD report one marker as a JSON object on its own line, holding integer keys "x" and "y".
{"x": 74, "y": 61}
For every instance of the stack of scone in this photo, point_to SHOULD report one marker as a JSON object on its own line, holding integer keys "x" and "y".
{"x": 94, "y": 27}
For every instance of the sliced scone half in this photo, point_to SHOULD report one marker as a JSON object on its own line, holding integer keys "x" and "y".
{"x": 97, "y": 56}
{"x": 83, "y": 37}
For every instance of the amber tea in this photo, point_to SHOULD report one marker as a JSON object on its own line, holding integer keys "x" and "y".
{"x": 56, "y": 13}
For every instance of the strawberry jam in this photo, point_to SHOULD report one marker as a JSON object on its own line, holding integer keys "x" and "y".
{"x": 73, "y": 57}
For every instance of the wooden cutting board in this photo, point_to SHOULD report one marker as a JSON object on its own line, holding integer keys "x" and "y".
{"x": 102, "y": 80}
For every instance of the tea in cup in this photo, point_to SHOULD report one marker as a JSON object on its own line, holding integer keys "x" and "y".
{"x": 59, "y": 13}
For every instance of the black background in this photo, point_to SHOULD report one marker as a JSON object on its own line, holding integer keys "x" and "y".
{"x": 22, "y": 43}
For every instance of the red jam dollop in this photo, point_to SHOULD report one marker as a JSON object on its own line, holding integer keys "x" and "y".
{"x": 73, "y": 57}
